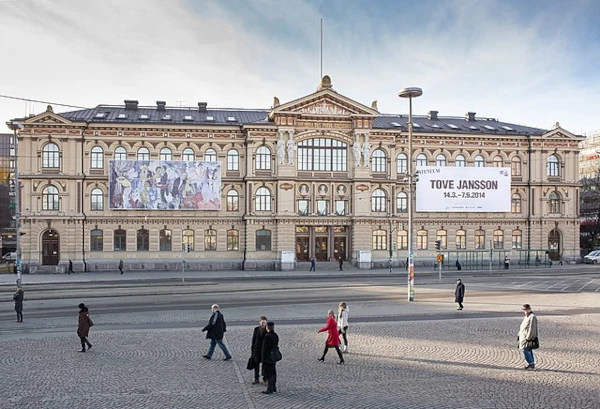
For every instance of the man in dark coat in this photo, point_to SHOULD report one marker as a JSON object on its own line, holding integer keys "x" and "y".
{"x": 18, "y": 298}
{"x": 215, "y": 330}
{"x": 270, "y": 343}
{"x": 459, "y": 294}
{"x": 83, "y": 327}
{"x": 257, "y": 341}
{"x": 70, "y": 267}
{"x": 121, "y": 266}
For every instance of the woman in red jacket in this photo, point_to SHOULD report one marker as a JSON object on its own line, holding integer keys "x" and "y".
{"x": 333, "y": 338}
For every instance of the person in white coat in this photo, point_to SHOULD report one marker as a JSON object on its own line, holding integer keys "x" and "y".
{"x": 342, "y": 323}
{"x": 528, "y": 331}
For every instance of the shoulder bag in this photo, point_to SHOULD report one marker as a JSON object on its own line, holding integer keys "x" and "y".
{"x": 533, "y": 344}
{"x": 276, "y": 355}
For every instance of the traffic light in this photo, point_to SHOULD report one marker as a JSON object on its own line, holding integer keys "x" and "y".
{"x": 438, "y": 245}
{"x": 188, "y": 248}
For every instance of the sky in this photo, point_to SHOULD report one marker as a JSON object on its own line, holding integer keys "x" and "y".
{"x": 531, "y": 63}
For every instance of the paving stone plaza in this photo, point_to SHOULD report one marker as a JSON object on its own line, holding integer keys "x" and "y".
{"x": 428, "y": 363}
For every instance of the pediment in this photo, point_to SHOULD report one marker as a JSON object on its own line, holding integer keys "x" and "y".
{"x": 324, "y": 103}
{"x": 47, "y": 118}
{"x": 559, "y": 133}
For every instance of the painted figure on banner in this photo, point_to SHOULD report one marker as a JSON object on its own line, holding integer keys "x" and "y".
{"x": 281, "y": 149}
{"x": 366, "y": 150}
{"x": 291, "y": 148}
{"x": 356, "y": 150}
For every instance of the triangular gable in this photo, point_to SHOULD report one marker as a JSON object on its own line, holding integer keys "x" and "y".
{"x": 559, "y": 133}
{"x": 325, "y": 102}
{"x": 47, "y": 118}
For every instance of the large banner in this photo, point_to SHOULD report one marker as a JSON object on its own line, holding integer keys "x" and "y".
{"x": 164, "y": 185}
{"x": 458, "y": 189}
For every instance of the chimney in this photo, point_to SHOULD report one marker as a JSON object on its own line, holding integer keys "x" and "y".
{"x": 202, "y": 106}
{"x": 470, "y": 116}
{"x": 433, "y": 115}
{"x": 160, "y": 105}
{"x": 131, "y": 104}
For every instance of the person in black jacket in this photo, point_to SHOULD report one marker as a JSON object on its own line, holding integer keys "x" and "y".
{"x": 257, "y": 341}
{"x": 459, "y": 294}
{"x": 270, "y": 343}
{"x": 18, "y": 298}
{"x": 215, "y": 330}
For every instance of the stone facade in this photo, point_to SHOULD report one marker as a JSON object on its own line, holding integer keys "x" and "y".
{"x": 314, "y": 156}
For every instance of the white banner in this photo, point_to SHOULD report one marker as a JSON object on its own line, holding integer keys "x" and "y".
{"x": 456, "y": 189}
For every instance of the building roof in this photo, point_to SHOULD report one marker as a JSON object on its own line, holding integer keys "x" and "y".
{"x": 237, "y": 117}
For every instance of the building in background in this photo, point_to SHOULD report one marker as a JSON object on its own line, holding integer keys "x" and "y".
{"x": 589, "y": 156}
{"x": 321, "y": 176}
{"x": 7, "y": 193}
{"x": 589, "y": 170}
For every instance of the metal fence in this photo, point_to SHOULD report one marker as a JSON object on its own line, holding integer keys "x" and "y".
{"x": 491, "y": 259}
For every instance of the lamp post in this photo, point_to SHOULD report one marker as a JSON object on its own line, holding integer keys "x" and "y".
{"x": 410, "y": 93}
{"x": 16, "y": 126}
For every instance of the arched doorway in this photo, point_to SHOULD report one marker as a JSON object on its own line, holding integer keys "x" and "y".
{"x": 50, "y": 248}
{"x": 554, "y": 240}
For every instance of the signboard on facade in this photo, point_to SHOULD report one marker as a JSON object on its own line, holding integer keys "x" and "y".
{"x": 164, "y": 185}
{"x": 463, "y": 189}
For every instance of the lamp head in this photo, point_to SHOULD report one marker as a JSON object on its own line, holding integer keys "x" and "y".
{"x": 410, "y": 92}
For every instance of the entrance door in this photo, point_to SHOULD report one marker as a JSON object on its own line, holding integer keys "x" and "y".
{"x": 50, "y": 248}
{"x": 321, "y": 248}
{"x": 554, "y": 245}
{"x": 302, "y": 247}
{"x": 339, "y": 248}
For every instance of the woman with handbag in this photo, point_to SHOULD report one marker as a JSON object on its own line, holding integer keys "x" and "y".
{"x": 333, "y": 337}
{"x": 270, "y": 356}
{"x": 342, "y": 324}
{"x": 83, "y": 329}
{"x": 18, "y": 299}
{"x": 528, "y": 336}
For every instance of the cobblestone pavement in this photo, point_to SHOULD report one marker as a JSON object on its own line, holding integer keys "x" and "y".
{"x": 421, "y": 364}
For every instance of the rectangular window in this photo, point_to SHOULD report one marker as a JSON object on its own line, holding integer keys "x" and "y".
{"x": 442, "y": 236}
{"x": 303, "y": 206}
{"x": 379, "y": 240}
{"x": 96, "y": 240}
{"x": 517, "y": 239}
{"x": 322, "y": 154}
{"x": 120, "y": 241}
{"x": 165, "y": 240}
{"x": 341, "y": 208}
{"x": 263, "y": 240}
{"x": 233, "y": 240}
{"x": 402, "y": 240}
{"x": 479, "y": 239}
{"x": 322, "y": 207}
{"x": 498, "y": 239}
{"x": 210, "y": 240}
{"x": 461, "y": 240}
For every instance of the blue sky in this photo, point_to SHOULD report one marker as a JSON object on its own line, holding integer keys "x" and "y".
{"x": 526, "y": 62}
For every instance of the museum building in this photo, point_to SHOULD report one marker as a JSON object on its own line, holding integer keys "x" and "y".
{"x": 321, "y": 176}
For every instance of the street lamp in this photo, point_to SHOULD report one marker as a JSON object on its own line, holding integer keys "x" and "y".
{"x": 16, "y": 126}
{"x": 410, "y": 93}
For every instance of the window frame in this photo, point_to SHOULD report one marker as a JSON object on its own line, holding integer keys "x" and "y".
{"x": 479, "y": 161}
{"x": 262, "y": 200}
{"x": 554, "y": 203}
{"x": 263, "y": 158}
{"x": 233, "y": 160}
{"x": 442, "y": 235}
{"x": 379, "y": 239}
{"x": 233, "y": 201}
{"x": 233, "y": 240}
{"x": 97, "y": 158}
{"x": 120, "y": 240}
{"x": 517, "y": 239}
{"x": 378, "y": 161}
{"x": 262, "y": 237}
{"x": 120, "y": 153}
{"x": 165, "y": 154}
{"x": 516, "y": 167}
{"x": 479, "y": 239}
{"x": 553, "y": 166}
{"x": 402, "y": 240}
{"x": 51, "y": 156}
{"x": 97, "y": 199}
{"x": 50, "y": 198}
{"x": 378, "y": 200}
{"x": 142, "y": 240}
{"x": 498, "y": 239}
{"x": 421, "y": 160}
{"x": 165, "y": 240}
{"x": 402, "y": 164}
{"x": 188, "y": 238}
{"x": 188, "y": 155}
{"x": 210, "y": 155}
{"x": 422, "y": 239}
{"x": 96, "y": 240}
{"x": 516, "y": 203}
{"x": 322, "y": 155}
{"x": 440, "y": 160}
{"x": 461, "y": 239}
{"x": 401, "y": 202}
{"x": 460, "y": 161}
{"x": 210, "y": 240}
{"x": 143, "y": 154}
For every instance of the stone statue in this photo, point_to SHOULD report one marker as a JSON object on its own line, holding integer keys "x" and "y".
{"x": 356, "y": 151}
{"x": 291, "y": 148}
{"x": 366, "y": 151}
{"x": 281, "y": 149}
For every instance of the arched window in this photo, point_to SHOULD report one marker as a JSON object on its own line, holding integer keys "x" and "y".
{"x": 233, "y": 240}
{"x": 421, "y": 159}
{"x": 460, "y": 161}
{"x": 515, "y": 166}
{"x": 263, "y": 158}
{"x": 210, "y": 155}
{"x": 553, "y": 166}
{"x": 97, "y": 158}
{"x": 461, "y": 239}
{"x": 402, "y": 164}
{"x": 120, "y": 240}
{"x": 120, "y": 153}
{"x": 188, "y": 155}
{"x": 498, "y": 239}
{"x": 188, "y": 242}
{"x": 517, "y": 239}
{"x": 96, "y": 240}
{"x": 233, "y": 160}
{"x": 50, "y": 198}
{"x": 166, "y": 154}
{"x": 440, "y": 160}
{"x": 263, "y": 199}
{"x": 233, "y": 201}
{"x": 379, "y": 240}
{"x": 442, "y": 235}
{"x": 263, "y": 240}
{"x": 554, "y": 202}
{"x": 515, "y": 206}
{"x": 479, "y": 239}
{"x": 479, "y": 161}
{"x": 401, "y": 202}
{"x": 50, "y": 156}
{"x": 497, "y": 162}
{"x": 322, "y": 154}
{"x": 422, "y": 240}
{"x": 97, "y": 199}
{"x": 378, "y": 202}
{"x": 378, "y": 161}
{"x": 143, "y": 154}
{"x": 402, "y": 240}
{"x": 164, "y": 240}
{"x": 143, "y": 240}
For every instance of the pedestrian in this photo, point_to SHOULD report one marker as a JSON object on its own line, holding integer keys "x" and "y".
{"x": 270, "y": 344}
{"x": 458, "y": 265}
{"x": 459, "y": 294}
{"x": 342, "y": 324}
{"x": 215, "y": 331}
{"x": 258, "y": 337}
{"x": 83, "y": 328}
{"x": 121, "y": 266}
{"x": 528, "y": 333}
{"x": 341, "y": 261}
{"x": 506, "y": 262}
{"x": 18, "y": 298}
{"x": 313, "y": 264}
{"x": 333, "y": 338}
{"x": 70, "y": 267}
